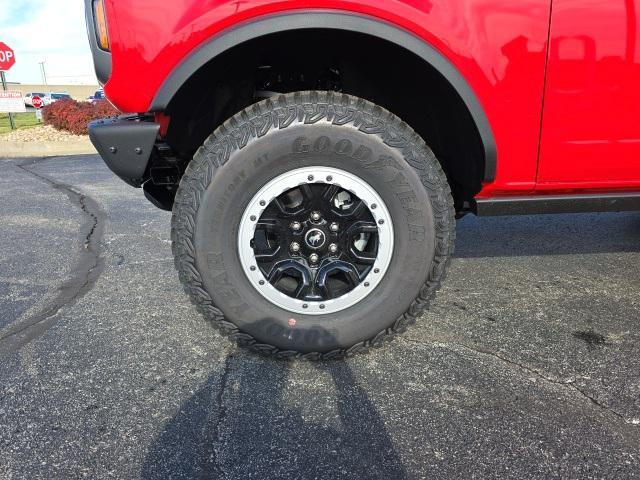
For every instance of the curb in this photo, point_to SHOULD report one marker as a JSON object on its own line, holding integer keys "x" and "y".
{"x": 45, "y": 149}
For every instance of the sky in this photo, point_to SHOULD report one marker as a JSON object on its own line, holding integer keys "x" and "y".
{"x": 52, "y": 31}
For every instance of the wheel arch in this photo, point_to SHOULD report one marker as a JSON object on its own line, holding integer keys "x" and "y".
{"x": 300, "y": 20}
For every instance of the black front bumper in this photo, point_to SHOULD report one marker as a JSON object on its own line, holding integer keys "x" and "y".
{"x": 125, "y": 144}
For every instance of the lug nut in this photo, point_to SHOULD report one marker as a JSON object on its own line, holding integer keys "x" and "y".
{"x": 295, "y": 226}
{"x": 295, "y": 247}
{"x": 334, "y": 227}
{"x": 315, "y": 216}
{"x": 313, "y": 258}
{"x": 333, "y": 248}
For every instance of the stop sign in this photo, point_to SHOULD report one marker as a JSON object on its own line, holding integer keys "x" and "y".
{"x": 7, "y": 57}
{"x": 36, "y": 101}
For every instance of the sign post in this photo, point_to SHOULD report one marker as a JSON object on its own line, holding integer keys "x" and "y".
{"x": 7, "y": 60}
{"x": 4, "y": 89}
{"x": 37, "y": 103}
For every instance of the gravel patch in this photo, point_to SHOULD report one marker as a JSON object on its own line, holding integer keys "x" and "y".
{"x": 42, "y": 133}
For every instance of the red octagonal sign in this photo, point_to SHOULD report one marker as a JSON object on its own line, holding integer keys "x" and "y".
{"x": 37, "y": 102}
{"x": 7, "y": 57}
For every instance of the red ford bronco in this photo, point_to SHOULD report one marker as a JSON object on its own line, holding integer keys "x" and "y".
{"x": 315, "y": 153}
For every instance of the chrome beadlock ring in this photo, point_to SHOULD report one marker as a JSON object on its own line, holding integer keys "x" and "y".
{"x": 314, "y": 175}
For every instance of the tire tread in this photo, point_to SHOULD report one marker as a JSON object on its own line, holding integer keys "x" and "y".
{"x": 278, "y": 113}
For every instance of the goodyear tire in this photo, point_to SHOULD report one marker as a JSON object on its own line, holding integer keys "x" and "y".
{"x": 312, "y": 225}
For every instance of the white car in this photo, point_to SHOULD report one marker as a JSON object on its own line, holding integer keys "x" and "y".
{"x": 29, "y": 95}
{"x": 55, "y": 96}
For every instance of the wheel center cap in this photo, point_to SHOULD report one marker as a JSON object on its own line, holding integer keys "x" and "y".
{"x": 315, "y": 238}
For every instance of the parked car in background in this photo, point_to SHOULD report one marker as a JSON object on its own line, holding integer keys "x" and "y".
{"x": 29, "y": 95}
{"x": 97, "y": 96}
{"x": 55, "y": 96}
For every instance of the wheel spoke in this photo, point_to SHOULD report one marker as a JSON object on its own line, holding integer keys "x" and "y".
{"x": 296, "y": 270}
{"x": 278, "y": 270}
{"x": 362, "y": 227}
{"x": 263, "y": 249}
{"x": 273, "y": 225}
{"x": 364, "y": 258}
{"x": 330, "y": 192}
{"x": 281, "y": 207}
{"x": 268, "y": 255}
{"x": 309, "y": 198}
{"x": 260, "y": 245}
{"x": 323, "y": 276}
{"x": 360, "y": 256}
{"x": 304, "y": 289}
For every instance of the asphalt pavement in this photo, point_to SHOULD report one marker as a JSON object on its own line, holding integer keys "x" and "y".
{"x": 527, "y": 365}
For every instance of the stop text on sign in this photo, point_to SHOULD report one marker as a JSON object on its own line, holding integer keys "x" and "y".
{"x": 7, "y": 57}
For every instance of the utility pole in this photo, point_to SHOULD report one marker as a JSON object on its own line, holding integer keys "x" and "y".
{"x": 42, "y": 71}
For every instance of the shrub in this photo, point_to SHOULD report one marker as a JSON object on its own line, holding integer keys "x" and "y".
{"x": 74, "y": 116}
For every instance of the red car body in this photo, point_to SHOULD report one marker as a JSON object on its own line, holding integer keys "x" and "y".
{"x": 558, "y": 80}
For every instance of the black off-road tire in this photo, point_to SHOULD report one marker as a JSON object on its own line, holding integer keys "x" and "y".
{"x": 251, "y": 148}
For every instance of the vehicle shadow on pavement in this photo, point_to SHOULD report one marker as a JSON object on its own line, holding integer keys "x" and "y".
{"x": 568, "y": 234}
{"x": 248, "y": 422}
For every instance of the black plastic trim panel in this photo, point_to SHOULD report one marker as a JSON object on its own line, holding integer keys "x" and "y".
{"x": 125, "y": 144}
{"x": 338, "y": 21}
{"x": 530, "y": 205}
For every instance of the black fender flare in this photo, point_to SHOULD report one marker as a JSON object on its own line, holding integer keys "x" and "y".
{"x": 297, "y": 20}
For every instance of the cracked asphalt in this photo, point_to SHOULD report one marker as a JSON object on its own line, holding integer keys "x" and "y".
{"x": 527, "y": 365}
